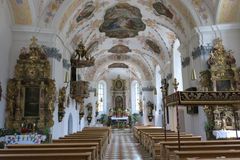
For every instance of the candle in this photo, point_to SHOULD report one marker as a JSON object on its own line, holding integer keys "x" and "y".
{"x": 66, "y": 77}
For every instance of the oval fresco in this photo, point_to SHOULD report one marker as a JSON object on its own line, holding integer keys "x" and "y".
{"x": 120, "y": 49}
{"x": 153, "y": 46}
{"x": 122, "y": 21}
{"x": 162, "y": 10}
{"x": 118, "y": 65}
{"x": 86, "y": 12}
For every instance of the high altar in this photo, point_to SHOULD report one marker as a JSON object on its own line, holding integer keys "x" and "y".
{"x": 119, "y": 90}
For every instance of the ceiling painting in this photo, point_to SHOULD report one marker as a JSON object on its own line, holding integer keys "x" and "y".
{"x": 68, "y": 13}
{"x": 161, "y": 9}
{"x": 21, "y": 12}
{"x": 202, "y": 10}
{"x": 86, "y": 12}
{"x": 183, "y": 10}
{"x": 118, "y": 65}
{"x": 83, "y": 14}
{"x": 52, "y": 9}
{"x": 122, "y": 21}
{"x": 119, "y": 49}
{"x": 153, "y": 46}
{"x": 229, "y": 11}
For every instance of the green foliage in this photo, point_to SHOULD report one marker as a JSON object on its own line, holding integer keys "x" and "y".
{"x": 104, "y": 119}
{"x": 135, "y": 117}
{"x": 209, "y": 126}
{"x": 4, "y": 132}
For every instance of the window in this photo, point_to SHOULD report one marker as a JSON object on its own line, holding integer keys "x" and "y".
{"x": 100, "y": 96}
{"x": 137, "y": 91}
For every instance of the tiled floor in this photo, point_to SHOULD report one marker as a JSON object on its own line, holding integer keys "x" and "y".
{"x": 124, "y": 147}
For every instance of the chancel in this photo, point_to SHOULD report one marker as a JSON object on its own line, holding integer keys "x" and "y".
{"x": 127, "y": 79}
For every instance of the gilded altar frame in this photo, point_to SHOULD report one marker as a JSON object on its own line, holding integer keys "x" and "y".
{"x": 31, "y": 71}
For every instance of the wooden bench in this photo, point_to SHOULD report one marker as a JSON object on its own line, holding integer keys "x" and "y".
{"x": 184, "y": 155}
{"x": 156, "y": 140}
{"x": 101, "y": 148}
{"x": 92, "y": 150}
{"x": 161, "y": 147}
{"x": 57, "y": 145}
{"x": 170, "y": 149}
{"x": 47, "y": 156}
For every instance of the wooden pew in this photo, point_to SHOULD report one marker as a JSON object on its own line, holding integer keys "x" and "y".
{"x": 161, "y": 147}
{"x": 48, "y": 156}
{"x": 57, "y": 145}
{"x": 184, "y": 155}
{"x": 156, "y": 140}
{"x": 92, "y": 150}
{"x": 170, "y": 149}
{"x": 97, "y": 140}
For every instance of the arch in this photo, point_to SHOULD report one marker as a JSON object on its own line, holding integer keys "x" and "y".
{"x": 70, "y": 124}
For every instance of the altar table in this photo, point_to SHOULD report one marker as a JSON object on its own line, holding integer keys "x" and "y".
{"x": 220, "y": 134}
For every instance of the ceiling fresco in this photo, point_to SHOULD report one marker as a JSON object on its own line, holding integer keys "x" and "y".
{"x": 153, "y": 46}
{"x": 52, "y": 9}
{"x": 122, "y": 21}
{"x": 138, "y": 28}
{"x": 86, "y": 12}
{"x": 119, "y": 49}
{"x": 161, "y": 9}
{"x": 118, "y": 65}
{"x": 21, "y": 12}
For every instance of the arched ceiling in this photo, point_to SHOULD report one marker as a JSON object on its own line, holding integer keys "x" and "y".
{"x": 144, "y": 29}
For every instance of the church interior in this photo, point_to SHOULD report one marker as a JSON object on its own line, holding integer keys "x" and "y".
{"x": 120, "y": 79}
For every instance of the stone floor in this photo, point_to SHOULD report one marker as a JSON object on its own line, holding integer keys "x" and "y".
{"x": 123, "y": 146}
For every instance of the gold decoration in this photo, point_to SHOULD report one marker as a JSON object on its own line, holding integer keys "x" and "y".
{"x": 221, "y": 76}
{"x": 61, "y": 101}
{"x": 81, "y": 58}
{"x": 32, "y": 75}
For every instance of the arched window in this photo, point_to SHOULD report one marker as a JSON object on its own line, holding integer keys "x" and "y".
{"x": 100, "y": 96}
{"x": 137, "y": 94}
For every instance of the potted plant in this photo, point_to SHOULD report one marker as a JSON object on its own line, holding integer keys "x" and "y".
{"x": 134, "y": 118}
{"x": 209, "y": 126}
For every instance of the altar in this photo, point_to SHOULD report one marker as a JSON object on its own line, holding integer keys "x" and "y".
{"x": 119, "y": 122}
{"x": 224, "y": 134}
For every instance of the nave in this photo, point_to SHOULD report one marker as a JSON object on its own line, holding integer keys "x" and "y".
{"x": 123, "y": 146}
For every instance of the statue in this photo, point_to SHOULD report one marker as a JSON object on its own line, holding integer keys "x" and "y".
{"x": 224, "y": 123}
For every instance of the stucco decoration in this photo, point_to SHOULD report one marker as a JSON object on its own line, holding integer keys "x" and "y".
{"x": 153, "y": 46}
{"x": 119, "y": 49}
{"x": 52, "y": 9}
{"x": 161, "y": 9}
{"x": 21, "y": 12}
{"x": 122, "y": 21}
{"x": 118, "y": 65}
{"x": 86, "y": 12}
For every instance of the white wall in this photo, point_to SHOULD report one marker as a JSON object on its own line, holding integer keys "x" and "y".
{"x": 5, "y": 45}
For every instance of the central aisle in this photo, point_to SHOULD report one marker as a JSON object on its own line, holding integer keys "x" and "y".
{"x": 123, "y": 146}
